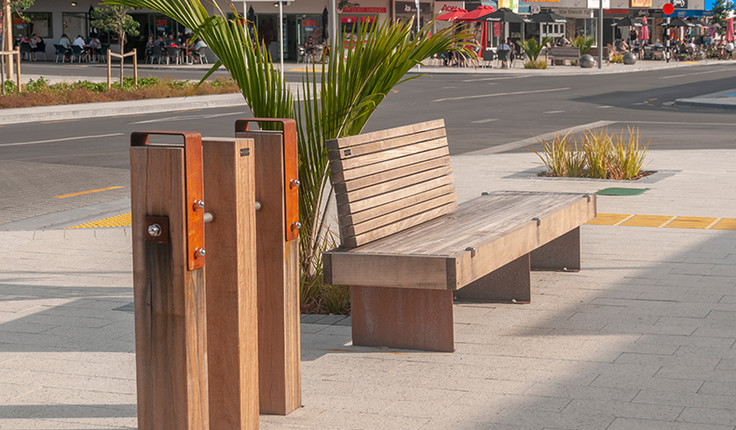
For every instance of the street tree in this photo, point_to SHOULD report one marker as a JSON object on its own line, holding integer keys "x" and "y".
{"x": 722, "y": 10}
{"x": 116, "y": 19}
{"x": 11, "y": 7}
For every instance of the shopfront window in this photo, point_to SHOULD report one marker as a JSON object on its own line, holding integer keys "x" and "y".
{"x": 38, "y": 23}
{"x": 75, "y": 24}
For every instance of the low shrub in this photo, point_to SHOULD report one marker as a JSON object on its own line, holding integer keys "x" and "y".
{"x": 599, "y": 154}
{"x": 40, "y": 93}
{"x": 617, "y": 57}
{"x": 535, "y": 64}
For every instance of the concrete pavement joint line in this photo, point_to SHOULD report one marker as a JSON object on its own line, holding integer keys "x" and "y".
{"x": 513, "y": 93}
{"x": 533, "y": 140}
{"x": 62, "y": 139}
{"x": 80, "y": 193}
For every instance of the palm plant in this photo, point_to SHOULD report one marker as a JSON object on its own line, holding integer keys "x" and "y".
{"x": 337, "y": 103}
{"x": 532, "y": 48}
{"x": 583, "y": 43}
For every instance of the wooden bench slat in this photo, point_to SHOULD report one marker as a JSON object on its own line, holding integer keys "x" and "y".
{"x": 358, "y": 217}
{"x": 377, "y": 160}
{"x": 385, "y": 144}
{"x": 338, "y": 175}
{"x": 401, "y": 172}
{"x": 344, "y": 142}
{"x": 384, "y": 218}
{"x": 397, "y": 226}
{"x": 402, "y": 193}
{"x": 393, "y": 185}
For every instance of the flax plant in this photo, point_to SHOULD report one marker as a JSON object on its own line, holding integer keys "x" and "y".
{"x": 597, "y": 150}
{"x": 561, "y": 157}
{"x": 628, "y": 155}
{"x": 336, "y": 103}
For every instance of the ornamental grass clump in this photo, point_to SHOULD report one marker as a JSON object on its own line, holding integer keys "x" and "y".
{"x": 596, "y": 154}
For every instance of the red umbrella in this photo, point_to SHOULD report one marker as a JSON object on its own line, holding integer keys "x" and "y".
{"x": 452, "y": 15}
{"x": 475, "y": 13}
{"x": 644, "y": 33}
{"x": 729, "y": 30}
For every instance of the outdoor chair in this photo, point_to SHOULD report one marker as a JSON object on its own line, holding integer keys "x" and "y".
{"x": 155, "y": 54}
{"x": 39, "y": 49}
{"x": 61, "y": 52}
{"x": 25, "y": 51}
{"x": 201, "y": 55}
{"x": 78, "y": 53}
{"x": 504, "y": 55}
{"x": 172, "y": 54}
{"x": 488, "y": 57}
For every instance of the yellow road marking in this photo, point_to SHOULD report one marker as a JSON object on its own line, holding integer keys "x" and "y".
{"x": 725, "y": 224}
{"x": 692, "y": 222}
{"x": 113, "y": 221}
{"x": 647, "y": 221}
{"x": 61, "y": 120}
{"x": 609, "y": 219}
{"x": 63, "y": 196}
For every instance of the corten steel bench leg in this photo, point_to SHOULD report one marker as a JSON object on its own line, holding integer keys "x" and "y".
{"x": 507, "y": 283}
{"x": 402, "y": 318}
{"x": 562, "y": 253}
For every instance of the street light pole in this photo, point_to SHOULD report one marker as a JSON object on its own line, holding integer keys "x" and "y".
{"x": 600, "y": 33}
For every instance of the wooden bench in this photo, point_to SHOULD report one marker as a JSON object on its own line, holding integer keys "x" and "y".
{"x": 407, "y": 247}
{"x": 563, "y": 53}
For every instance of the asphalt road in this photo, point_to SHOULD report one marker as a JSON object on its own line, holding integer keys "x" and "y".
{"x": 41, "y": 161}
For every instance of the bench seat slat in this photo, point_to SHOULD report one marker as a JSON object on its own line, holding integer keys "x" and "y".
{"x": 375, "y": 159}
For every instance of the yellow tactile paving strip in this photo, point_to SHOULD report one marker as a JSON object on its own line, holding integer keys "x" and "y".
{"x": 113, "y": 221}
{"x": 692, "y": 222}
{"x": 667, "y": 221}
{"x": 647, "y": 221}
{"x": 81, "y": 193}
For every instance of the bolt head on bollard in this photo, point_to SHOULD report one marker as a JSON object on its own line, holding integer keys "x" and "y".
{"x": 296, "y": 226}
{"x": 198, "y": 204}
{"x": 199, "y": 252}
{"x": 294, "y": 183}
{"x": 154, "y": 230}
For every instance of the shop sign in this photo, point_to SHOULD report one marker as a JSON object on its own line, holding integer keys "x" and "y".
{"x": 409, "y": 8}
{"x": 354, "y": 19}
{"x": 448, "y": 6}
{"x": 509, "y": 4}
{"x": 365, "y": 10}
{"x": 546, "y": 1}
{"x": 641, "y": 3}
{"x": 574, "y": 13}
{"x": 679, "y": 4}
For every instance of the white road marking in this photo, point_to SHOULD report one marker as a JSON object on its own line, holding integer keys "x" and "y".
{"x": 555, "y": 111}
{"x": 604, "y": 107}
{"x": 534, "y": 140}
{"x": 483, "y": 121}
{"x": 62, "y": 139}
{"x": 706, "y": 124}
{"x": 187, "y": 117}
{"x": 695, "y": 73}
{"x": 513, "y": 93}
{"x": 494, "y": 79}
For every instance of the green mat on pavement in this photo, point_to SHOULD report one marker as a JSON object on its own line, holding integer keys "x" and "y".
{"x": 621, "y": 191}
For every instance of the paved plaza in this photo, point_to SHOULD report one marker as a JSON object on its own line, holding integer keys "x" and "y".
{"x": 642, "y": 338}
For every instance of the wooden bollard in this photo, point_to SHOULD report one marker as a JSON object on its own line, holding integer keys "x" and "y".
{"x": 169, "y": 293}
{"x": 232, "y": 333}
{"x": 278, "y": 265}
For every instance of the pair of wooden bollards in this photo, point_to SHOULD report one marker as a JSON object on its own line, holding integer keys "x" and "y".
{"x": 218, "y": 343}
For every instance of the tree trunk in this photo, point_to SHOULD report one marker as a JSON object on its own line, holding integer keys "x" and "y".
{"x": 121, "y": 36}
{"x": 8, "y": 39}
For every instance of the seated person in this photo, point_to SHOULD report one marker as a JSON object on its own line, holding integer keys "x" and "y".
{"x": 79, "y": 41}
{"x": 195, "y": 51}
{"x": 309, "y": 46}
{"x": 504, "y": 57}
{"x": 37, "y": 45}
{"x": 94, "y": 45}
{"x": 66, "y": 44}
{"x": 171, "y": 43}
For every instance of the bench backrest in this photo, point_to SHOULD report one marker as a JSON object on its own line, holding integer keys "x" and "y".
{"x": 564, "y": 51}
{"x": 390, "y": 180}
